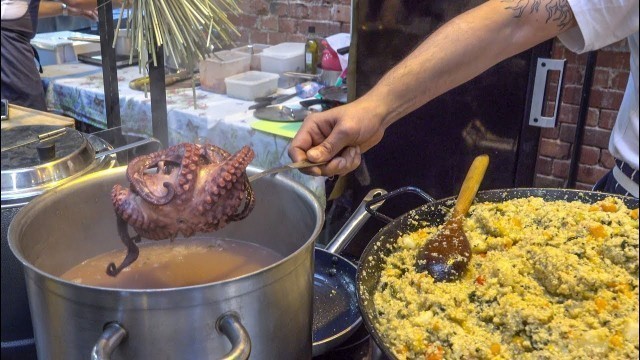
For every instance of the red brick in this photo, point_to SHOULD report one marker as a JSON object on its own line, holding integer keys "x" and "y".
{"x": 276, "y": 38}
{"x": 568, "y": 113}
{"x": 554, "y": 149}
{"x": 596, "y": 137}
{"x": 589, "y": 155}
{"x": 258, "y": 37}
{"x": 299, "y": 11}
{"x": 320, "y": 12}
{"x": 550, "y": 133}
{"x": 279, "y": 9}
{"x": 571, "y": 94}
{"x": 607, "y": 119}
{"x": 341, "y": 13}
{"x": 573, "y": 75}
{"x": 560, "y": 168}
{"x": 544, "y": 165}
{"x": 593, "y": 115}
{"x": 547, "y": 182}
{"x": 288, "y": 25}
{"x": 269, "y": 23}
{"x": 590, "y": 174}
{"x": 567, "y": 133}
{"x": 248, "y": 21}
{"x": 557, "y": 50}
{"x": 606, "y": 99}
{"x": 601, "y": 78}
{"x": 613, "y": 60}
{"x": 619, "y": 79}
{"x": 607, "y": 160}
{"x": 296, "y": 38}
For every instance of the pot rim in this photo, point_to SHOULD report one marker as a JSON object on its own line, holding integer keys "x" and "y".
{"x": 15, "y": 229}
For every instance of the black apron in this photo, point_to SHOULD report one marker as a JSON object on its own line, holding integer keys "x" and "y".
{"x": 20, "y": 79}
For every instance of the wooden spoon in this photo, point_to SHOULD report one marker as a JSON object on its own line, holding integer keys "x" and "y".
{"x": 446, "y": 255}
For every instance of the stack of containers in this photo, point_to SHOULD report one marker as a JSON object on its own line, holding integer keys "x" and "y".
{"x": 281, "y": 58}
{"x": 222, "y": 64}
{"x": 254, "y": 50}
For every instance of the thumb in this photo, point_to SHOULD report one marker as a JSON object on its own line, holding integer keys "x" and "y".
{"x": 327, "y": 150}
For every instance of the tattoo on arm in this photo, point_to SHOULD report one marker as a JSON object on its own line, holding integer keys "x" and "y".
{"x": 558, "y": 11}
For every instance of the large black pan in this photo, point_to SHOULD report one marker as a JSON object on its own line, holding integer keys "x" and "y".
{"x": 433, "y": 214}
{"x": 335, "y": 308}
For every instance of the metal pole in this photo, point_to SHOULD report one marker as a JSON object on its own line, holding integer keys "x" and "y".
{"x": 583, "y": 111}
{"x": 158, "y": 98}
{"x": 109, "y": 70}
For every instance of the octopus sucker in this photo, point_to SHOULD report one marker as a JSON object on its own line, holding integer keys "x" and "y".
{"x": 184, "y": 189}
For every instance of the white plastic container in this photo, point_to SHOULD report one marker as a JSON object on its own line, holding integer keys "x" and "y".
{"x": 251, "y": 85}
{"x": 254, "y": 50}
{"x": 56, "y": 48}
{"x": 281, "y": 58}
{"x": 215, "y": 69}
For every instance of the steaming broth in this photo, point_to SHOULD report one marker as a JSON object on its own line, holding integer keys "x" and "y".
{"x": 182, "y": 263}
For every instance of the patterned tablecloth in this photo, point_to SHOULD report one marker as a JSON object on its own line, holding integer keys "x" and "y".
{"x": 77, "y": 90}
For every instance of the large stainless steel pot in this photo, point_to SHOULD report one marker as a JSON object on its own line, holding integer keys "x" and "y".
{"x": 274, "y": 305}
{"x": 25, "y": 176}
{"x": 372, "y": 260}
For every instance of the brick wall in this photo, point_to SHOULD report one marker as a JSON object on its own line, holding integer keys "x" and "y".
{"x": 274, "y": 22}
{"x": 609, "y": 81}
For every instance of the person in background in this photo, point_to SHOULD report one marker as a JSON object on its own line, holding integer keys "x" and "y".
{"x": 19, "y": 75}
{"x": 465, "y": 47}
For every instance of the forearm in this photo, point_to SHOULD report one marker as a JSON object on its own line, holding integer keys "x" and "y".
{"x": 462, "y": 49}
{"x": 50, "y": 9}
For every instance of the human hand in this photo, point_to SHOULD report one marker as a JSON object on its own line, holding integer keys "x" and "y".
{"x": 338, "y": 135}
{"x": 91, "y": 14}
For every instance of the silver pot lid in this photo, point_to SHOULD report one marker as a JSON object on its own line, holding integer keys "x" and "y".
{"x": 30, "y": 167}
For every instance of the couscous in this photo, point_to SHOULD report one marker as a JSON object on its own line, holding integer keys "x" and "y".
{"x": 547, "y": 280}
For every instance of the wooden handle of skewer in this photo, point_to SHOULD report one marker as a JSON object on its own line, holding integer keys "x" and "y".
{"x": 471, "y": 185}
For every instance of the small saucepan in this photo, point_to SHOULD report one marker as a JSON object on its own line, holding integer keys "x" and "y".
{"x": 336, "y": 314}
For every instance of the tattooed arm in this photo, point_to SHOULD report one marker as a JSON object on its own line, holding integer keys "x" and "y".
{"x": 457, "y": 52}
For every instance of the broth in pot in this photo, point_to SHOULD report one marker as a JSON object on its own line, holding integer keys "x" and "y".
{"x": 169, "y": 264}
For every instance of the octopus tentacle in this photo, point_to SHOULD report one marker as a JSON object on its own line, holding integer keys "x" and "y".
{"x": 249, "y": 202}
{"x": 132, "y": 248}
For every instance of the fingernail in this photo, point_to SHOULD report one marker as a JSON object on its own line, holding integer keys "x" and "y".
{"x": 342, "y": 163}
{"x": 352, "y": 152}
{"x": 314, "y": 153}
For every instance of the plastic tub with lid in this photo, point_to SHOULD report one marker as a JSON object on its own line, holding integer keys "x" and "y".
{"x": 251, "y": 85}
{"x": 222, "y": 64}
{"x": 281, "y": 58}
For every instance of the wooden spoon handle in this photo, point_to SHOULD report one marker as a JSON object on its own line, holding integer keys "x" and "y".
{"x": 471, "y": 185}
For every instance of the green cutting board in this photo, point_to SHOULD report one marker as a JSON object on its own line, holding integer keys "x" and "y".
{"x": 286, "y": 129}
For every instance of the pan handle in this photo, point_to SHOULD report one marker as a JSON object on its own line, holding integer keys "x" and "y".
{"x": 355, "y": 221}
{"x": 112, "y": 335}
{"x": 378, "y": 201}
{"x": 230, "y": 326}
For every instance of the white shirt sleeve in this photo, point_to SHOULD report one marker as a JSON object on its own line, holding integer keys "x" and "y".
{"x": 13, "y": 9}
{"x": 600, "y": 23}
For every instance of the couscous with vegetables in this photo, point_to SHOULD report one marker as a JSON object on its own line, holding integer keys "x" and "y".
{"x": 547, "y": 280}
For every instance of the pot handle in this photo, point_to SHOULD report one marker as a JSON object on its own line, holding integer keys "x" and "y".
{"x": 230, "y": 326}
{"x": 373, "y": 205}
{"x": 355, "y": 221}
{"x": 112, "y": 335}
